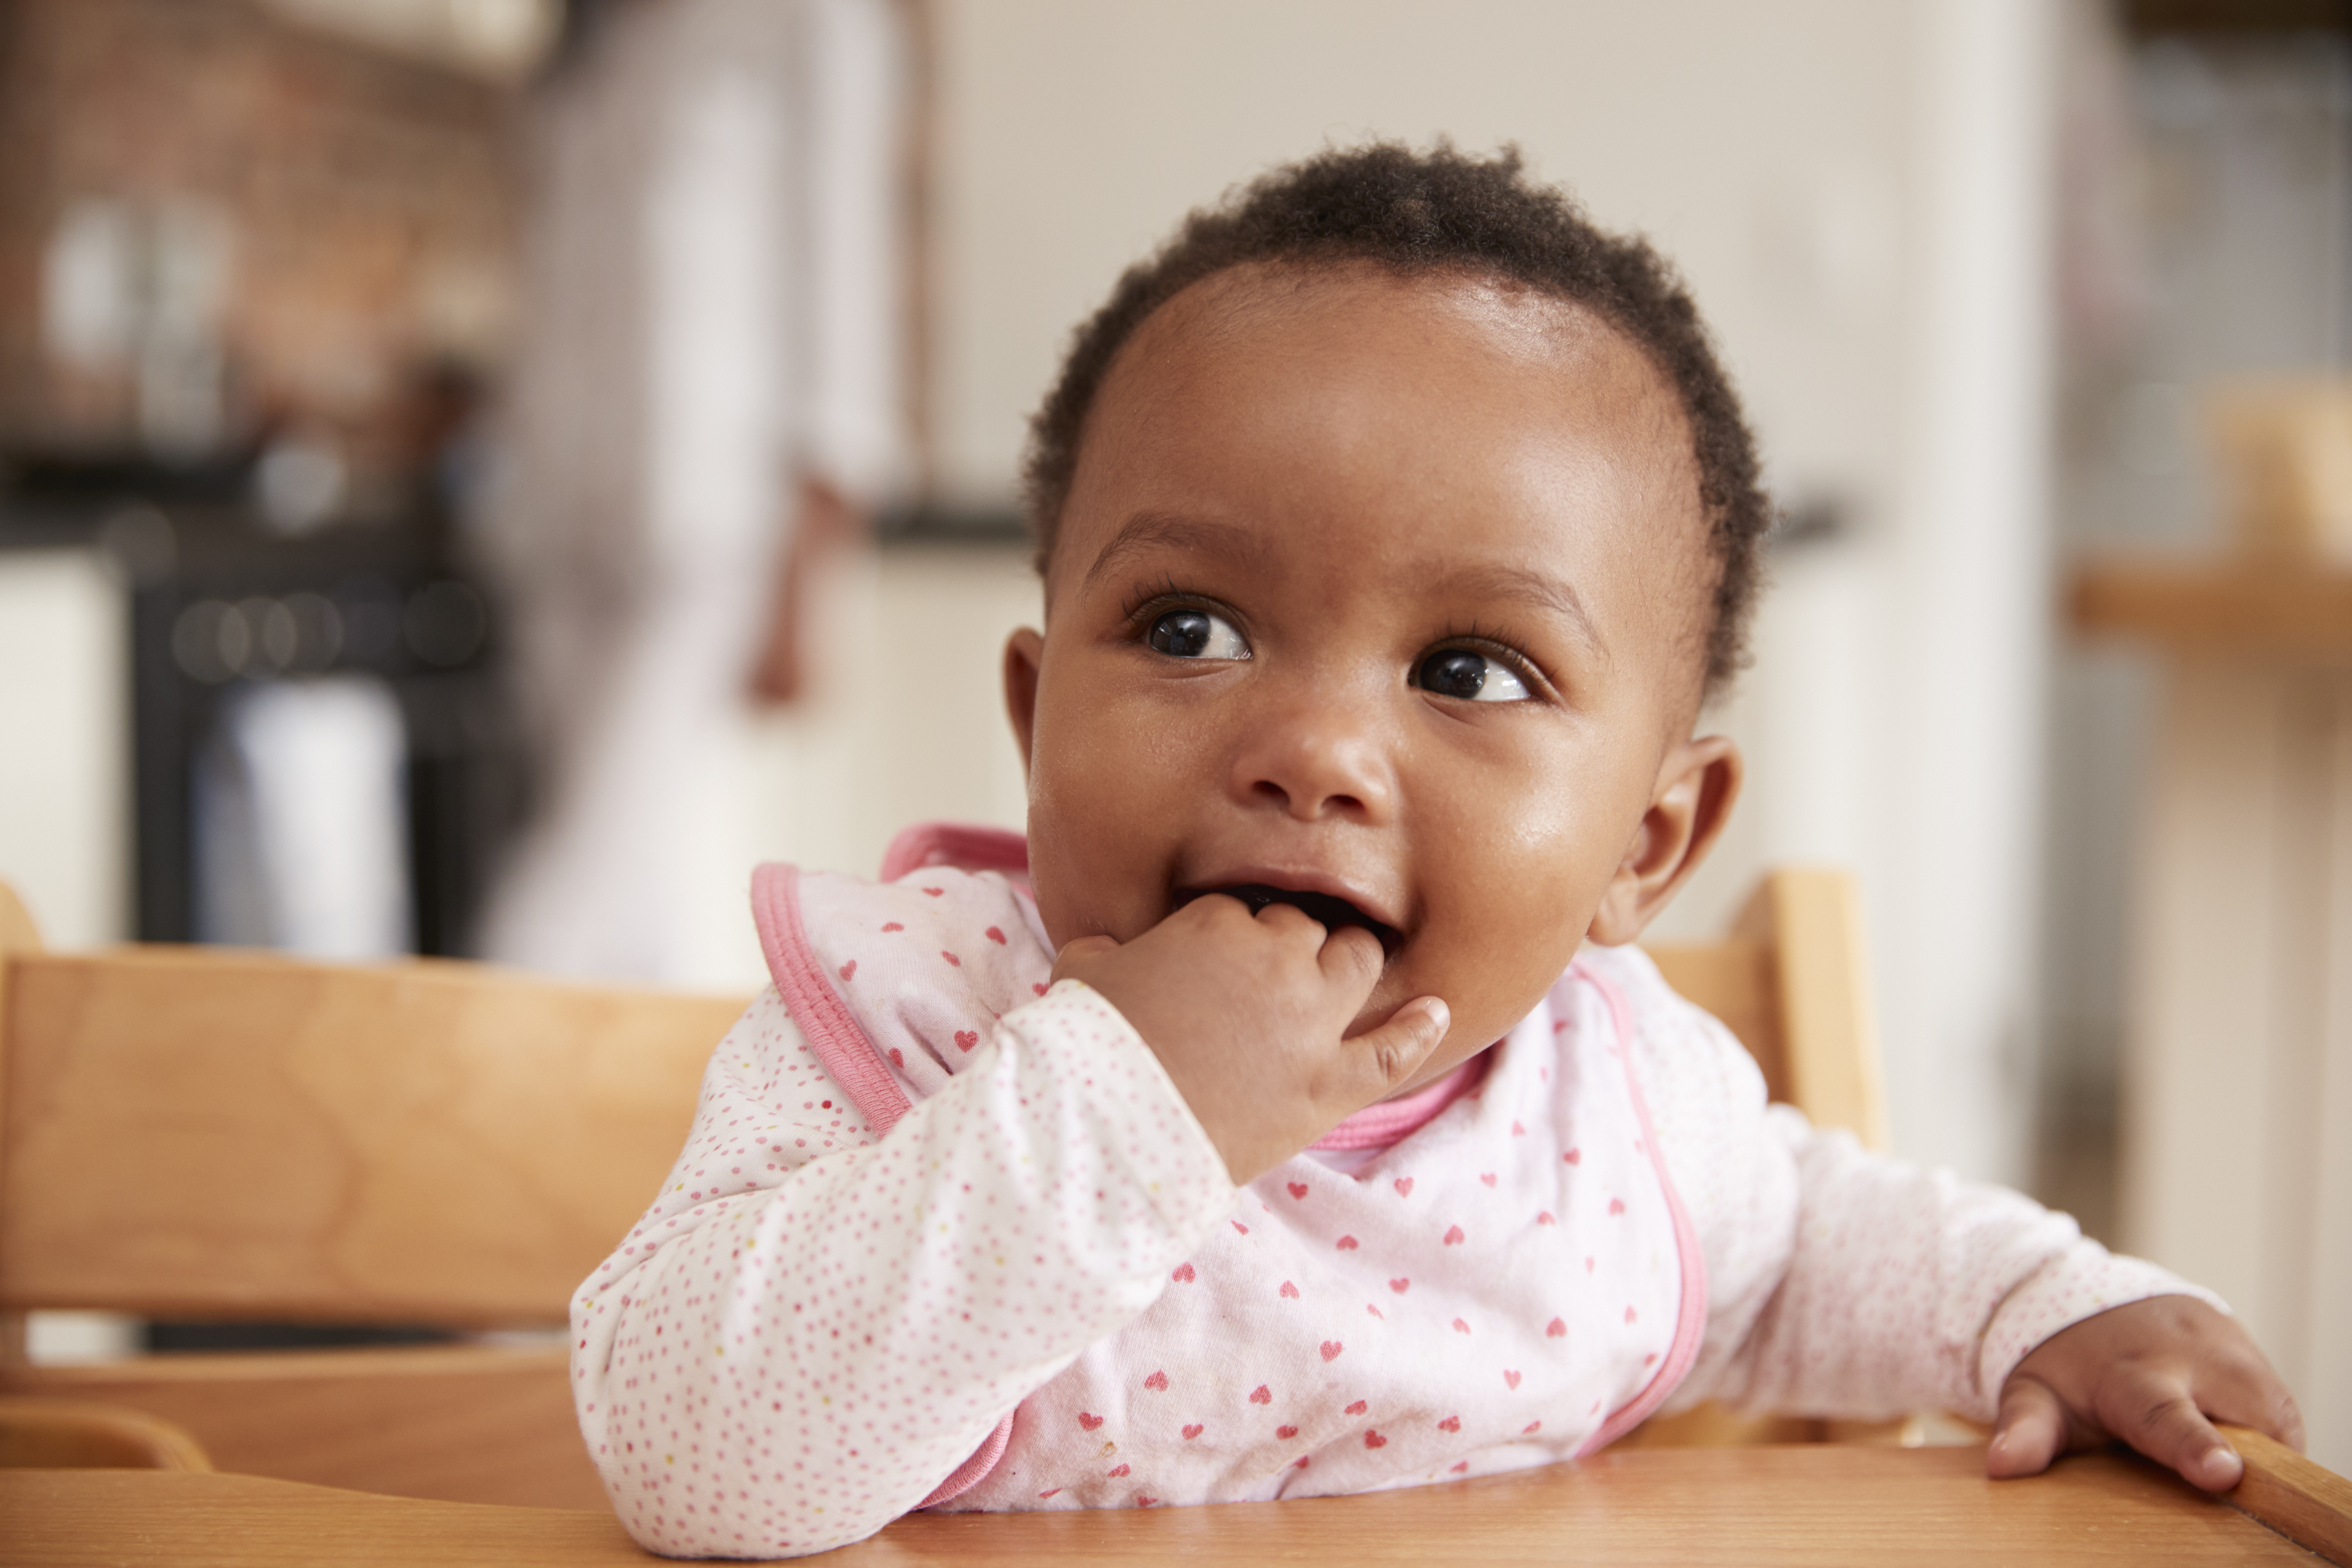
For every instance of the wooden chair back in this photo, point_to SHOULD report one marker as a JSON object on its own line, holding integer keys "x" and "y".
{"x": 189, "y": 1133}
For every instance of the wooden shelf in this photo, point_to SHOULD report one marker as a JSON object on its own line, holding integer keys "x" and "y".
{"x": 2217, "y": 609}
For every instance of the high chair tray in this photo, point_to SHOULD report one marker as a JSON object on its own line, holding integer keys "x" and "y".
{"x": 1809, "y": 1505}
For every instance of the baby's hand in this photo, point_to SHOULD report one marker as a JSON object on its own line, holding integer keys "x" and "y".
{"x": 2150, "y": 1374}
{"x": 1247, "y": 1013}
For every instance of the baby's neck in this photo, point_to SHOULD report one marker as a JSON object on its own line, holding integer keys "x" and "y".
{"x": 1387, "y": 1122}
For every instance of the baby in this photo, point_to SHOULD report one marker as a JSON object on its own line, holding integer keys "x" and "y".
{"x": 1310, "y": 1127}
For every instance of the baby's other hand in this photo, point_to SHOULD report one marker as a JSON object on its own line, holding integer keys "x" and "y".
{"x": 1247, "y": 1013}
{"x": 2150, "y": 1373}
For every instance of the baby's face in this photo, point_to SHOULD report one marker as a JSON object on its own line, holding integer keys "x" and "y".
{"x": 1386, "y": 598}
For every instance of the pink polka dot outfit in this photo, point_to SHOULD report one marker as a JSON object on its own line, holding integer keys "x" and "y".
{"x": 943, "y": 1235}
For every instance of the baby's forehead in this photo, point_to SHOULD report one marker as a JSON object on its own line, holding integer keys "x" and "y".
{"x": 1262, "y": 311}
{"x": 1483, "y": 331}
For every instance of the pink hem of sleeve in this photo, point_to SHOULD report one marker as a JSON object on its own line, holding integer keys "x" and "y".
{"x": 974, "y": 1470}
{"x": 824, "y": 1020}
{"x": 1690, "y": 1322}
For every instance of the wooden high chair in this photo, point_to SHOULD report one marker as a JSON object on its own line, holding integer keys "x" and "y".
{"x": 194, "y": 1133}
{"x": 197, "y": 1134}
{"x": 206, "y": 1133}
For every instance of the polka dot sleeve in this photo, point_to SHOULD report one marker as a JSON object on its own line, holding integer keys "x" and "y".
{"x": 1909, "y": 1289}
{"x": 813, "y": 1326}
{"x": 1841, "y": 1282}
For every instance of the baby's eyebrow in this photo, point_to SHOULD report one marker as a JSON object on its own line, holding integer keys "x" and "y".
{"x": 1160, "y": 530}
{"x": 1539, "y": 590}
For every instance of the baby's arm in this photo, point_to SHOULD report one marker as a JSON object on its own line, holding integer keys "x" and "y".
{"x": 1906, "y": 1287}
{"x": 2017, "y": 1318}
{"x": 1844, "y": 1283}
{"x": 800, "y": 1342}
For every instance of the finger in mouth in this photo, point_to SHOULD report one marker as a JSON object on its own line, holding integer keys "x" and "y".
{"x": 1327, "y": 909}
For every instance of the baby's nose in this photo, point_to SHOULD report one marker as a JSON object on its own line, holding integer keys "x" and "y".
{"x": 1320, "y": 760}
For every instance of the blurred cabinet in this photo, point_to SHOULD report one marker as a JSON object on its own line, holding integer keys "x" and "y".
{"x": 2237, "y": 1115}
{"x": 147, "y": 617}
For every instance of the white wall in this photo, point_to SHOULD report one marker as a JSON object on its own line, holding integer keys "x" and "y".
{"x": 907, "y": 724}
{"x": 65, "y": 743}
{"x": 1764, "y": 147}
{"x": 1853, "y": 188}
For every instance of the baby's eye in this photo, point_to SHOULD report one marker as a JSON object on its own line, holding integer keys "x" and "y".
{"x": 1196, "y": 634}
{"x": 1469, "y": 675}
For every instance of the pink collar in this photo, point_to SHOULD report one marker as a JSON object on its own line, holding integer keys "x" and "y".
{"x": 1386, "y": 1122}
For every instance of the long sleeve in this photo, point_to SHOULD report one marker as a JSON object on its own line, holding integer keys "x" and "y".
{"x": 1841, "y": 1283}
{"x": 813, "y": 1326}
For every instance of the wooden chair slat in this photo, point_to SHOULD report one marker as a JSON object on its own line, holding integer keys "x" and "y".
{"x": 217, "y": 1134}
{"x": 1829, "y": 1029}
{"x": 75, "y": 1433}
{"x": 458, "y": 1423}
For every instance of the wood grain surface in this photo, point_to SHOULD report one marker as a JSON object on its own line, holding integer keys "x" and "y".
{"x": 1811, "y": 919}
{"x": 2306, "y": 1502}
{"x": 77, "y": 1433}
{"x": 458, "y": 1423}
{"x": 1802, "y": 1505}
{"x": 214, "y": 1135}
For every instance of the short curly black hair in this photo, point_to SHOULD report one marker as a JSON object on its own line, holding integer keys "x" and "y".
{"x": 1416, "y": 214}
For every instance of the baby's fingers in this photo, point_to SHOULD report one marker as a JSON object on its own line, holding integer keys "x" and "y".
{"x": 2027, "y": 1433}
{"x": 2173, "y": 1432}
{"x": 1351, "y": 957}
{"x": 1382, "y": 1058}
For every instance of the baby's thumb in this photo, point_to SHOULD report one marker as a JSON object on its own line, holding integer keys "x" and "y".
{"x": 1395, "y": 1052}
{"x": 1078, "y": 949}
{"x": 2029, "y": 1432}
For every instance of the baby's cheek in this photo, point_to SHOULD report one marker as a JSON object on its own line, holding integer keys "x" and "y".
{"x": 1091, "y": 884}
{"x": 1496, "y": 971}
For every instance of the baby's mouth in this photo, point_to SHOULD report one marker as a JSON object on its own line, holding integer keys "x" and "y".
{"x": 1330, "y": 912}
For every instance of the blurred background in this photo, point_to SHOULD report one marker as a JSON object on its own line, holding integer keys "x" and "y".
{"x": 477, "y": 475}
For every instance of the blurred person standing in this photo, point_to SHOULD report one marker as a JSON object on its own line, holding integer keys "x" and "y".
{"x": 707, "y": 390}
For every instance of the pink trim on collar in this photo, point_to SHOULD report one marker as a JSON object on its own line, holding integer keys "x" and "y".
{"x": 965, "y": 846}
{"x": 825, "y": 1020}
{"x": 1388, "y": 1122}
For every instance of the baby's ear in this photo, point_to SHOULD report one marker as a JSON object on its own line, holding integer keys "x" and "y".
{"x": 1697, "y": 785}
{"x": 1025, "y": 653}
